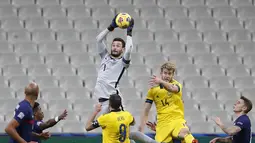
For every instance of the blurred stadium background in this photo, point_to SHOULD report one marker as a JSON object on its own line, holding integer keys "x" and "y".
{"x": 53, "y": 43}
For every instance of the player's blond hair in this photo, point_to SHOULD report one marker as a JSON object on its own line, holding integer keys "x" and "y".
{"x": 170, "y": 66}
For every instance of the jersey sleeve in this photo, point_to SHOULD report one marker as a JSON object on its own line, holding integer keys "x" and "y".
{"x": 149, "y": 98}
{"x": 131, "y": 118}
{"x": 242, "y": 123}
{"x": 20, "y": 113}
{"x": 179, "y": 87}
{"x": 102, "y": 121}
{"x": 37, "y": 126}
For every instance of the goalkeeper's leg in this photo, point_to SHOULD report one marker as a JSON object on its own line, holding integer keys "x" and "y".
{"x": 139, "y": 136}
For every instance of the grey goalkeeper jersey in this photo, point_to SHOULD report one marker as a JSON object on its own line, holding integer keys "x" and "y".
{"x": 111, "y": 69}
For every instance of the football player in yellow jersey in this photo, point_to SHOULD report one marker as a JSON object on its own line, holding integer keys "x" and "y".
{"x": 166, "y": 93}
{"x": 115, "y": 124}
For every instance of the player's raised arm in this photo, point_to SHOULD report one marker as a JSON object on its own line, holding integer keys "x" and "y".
{"x": 52, "y": 122}
{"x": 101, "y": 46}
{"x": 146, "y": 110}
{"x": 92, "y": 123}
{"x": 232, "y": 130}
{"x": 129, "y": 45}
{"x": 15, "y": 123}
{"x": 168, "y": 86}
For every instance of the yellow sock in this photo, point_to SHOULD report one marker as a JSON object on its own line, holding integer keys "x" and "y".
{"x": 188, "y": 138}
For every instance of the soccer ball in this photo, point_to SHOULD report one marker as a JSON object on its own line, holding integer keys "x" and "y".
{"x": 123, "y": 20}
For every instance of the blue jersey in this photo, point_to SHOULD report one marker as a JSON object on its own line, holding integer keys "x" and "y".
{"x": 24, "y": 115}
{"x": 37, "y": 129}
{"x": 245, "y": 135}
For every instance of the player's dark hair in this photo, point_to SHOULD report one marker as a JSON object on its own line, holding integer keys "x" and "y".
{"x": 115, "y": 101}
{"x": 121, "y": 40}
{"x": 247, "y": 103}
{"x": 36, "y": 105}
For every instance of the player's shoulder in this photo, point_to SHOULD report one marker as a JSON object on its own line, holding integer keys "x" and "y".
{"x": 23, "y": 105}
{"x": 244, "y": 118}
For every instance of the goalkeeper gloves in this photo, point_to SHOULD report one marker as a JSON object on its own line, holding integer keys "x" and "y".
{"x": 130, "y": 27}
{"x": 113, "y": 25}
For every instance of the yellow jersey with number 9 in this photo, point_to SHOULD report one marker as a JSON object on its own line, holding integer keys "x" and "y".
{"x": 115, "y": 126}
{"x": 169, "y": 105}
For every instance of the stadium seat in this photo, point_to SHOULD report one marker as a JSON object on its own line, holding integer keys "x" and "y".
{"x": 77, "y": 93}
{"x": 29, "y": 11}
{"x": 95, "y": 3}
{"x": 210, "y": 105}
{"x": 213, "y": 71}
{"x": 249, "y": 24}
{"x": 199, "y": 12}
{"x": 66, "y": 82}
{"x": 53, "y": 11}
{"x": 119, "y": 3}
{"x": 180, "y": 59}
{"x": 142, "y": 84}
{"x": 227, "y": 61}
{"x": 12, "y": 23}
{"x": 56, "y": 59}
{"x": 37, "y": 23}
{"x": 38, "y": 70}
{"x": 44, "y": 3}
{"x": 229, "y": 24}
{"x": 7, "y": 11}
{"x": 130, "y": 94}
{"x": 190, "y": 105}
{"x": 244, "y": 48}
{"x": 130, "y": 10}
{"x": 151, "y": 12}
{"x": 241, "y": 35}
{"x": 207, "y": 24}
{"x": 136, "y": 71}
{"x": 175, "y": 12}
{"x": 5, "y": 2}
{"x": 86, "y": 24}
{"x": 68, "y": 35}
{"x": 195, "y": 82}
{"x": 5, "y": 47}
{"x": 190, "y": 36}
{"x": 244, "y": 82}
{"x": 43, "y": 36}
{"x": 81, "y": 59}
{"x": 194, "y": 117}
{"x": 168, "y": 3}
{"x": 222, "y": 48}
{"x": 220, "y": 82}
{"x": 49, "y": 48}
{"x": 14, "y": 70}
{"x": 20, "y": 35}
{"x": 202, "y": 94}
{"x": 78, "y": 12}
{"x": 46, "y": 81}
{"x": 239, "y": 3}
{"x": 223, "y": 11}
{"x": 229, "y": 105}
{"x": 67, "y": 3}
{"x": 80, "y": 48}
{"x": 90, "y": 82}
{"x": 223, "y": 115}
{"x": 173, "y": 48}
{"x": 102, "y": 12}
{"x": 205, "y": 60}
{"x": 189, "y": 3}
{"x": 197, "y": 48}
{"x": 25, "y": 48}
{"x": 73, "y": 127}
{"x": 58, "y": 24}
{"x": 151, "y": 62}
{"x": 214, "y": 36}
{"x": 183, "y": 25}
{"x": 63, "y": 70}
{"x": 8, "y": 59}
{"x": 137, "y": 59}
{"x": 83, "y": 105}
{"x": 31, "y": 59}
{"x": 59, "y": 105}
{"x": 246, "y": 12}
{"x": 147, "y": 48}
{"x": 6, "y": 93}
{"x": 8, "y": 105}
{"x": 238, "y": 71}
{"x": 87, "y": 70}
{"x": 126, "y": 82}
{"x": 157, "y": 24}
{"x": 88, "y": 36}
{"x": 248, "y": 92}
{"x": 216, "y": 3}
{"x": 52, "y": 94}
{"x": 227, "y": 94}
{"x": 142, "y": 36}
{"x": 144, "y": 3}
{"x": 188, "y": 71}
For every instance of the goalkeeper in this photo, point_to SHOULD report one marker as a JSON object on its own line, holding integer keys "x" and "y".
{"x": 112, "y": 67}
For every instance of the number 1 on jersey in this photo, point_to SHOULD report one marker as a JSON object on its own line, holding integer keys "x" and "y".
{"x": 123, "y": 132}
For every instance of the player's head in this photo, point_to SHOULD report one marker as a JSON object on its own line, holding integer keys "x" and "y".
{"x": 167, "y": 71}
{"x": 32, "y": 91}
{"x": 118, "y": 47}
{"x": 38, "y": 113}
{"x": 243, "y": 105}
{"x": 115, "y": 101}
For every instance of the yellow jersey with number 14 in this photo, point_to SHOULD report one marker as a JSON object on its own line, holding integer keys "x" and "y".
{"x": 169, "y": 105}
{"x": 115, "y": 126}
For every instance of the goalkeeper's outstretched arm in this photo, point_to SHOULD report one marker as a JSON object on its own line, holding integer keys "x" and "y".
{"x": 101, "y": 46}
{"x": 129, "y": 45}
